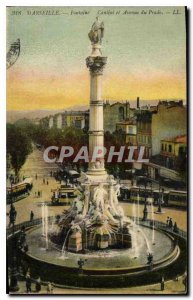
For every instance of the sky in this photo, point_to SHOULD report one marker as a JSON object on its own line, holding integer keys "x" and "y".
{"x": 145, "y": 49}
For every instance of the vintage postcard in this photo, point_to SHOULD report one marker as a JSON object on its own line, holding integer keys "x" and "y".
{"x": 97, "y": 150}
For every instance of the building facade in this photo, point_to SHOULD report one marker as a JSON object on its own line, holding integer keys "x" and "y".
{"x": 173, "y": 151}
{"x": 79, "y": 119}
{"x": 169, "y": 121}
{"x": 144, "y": 131}
{"x": 113, "y": 113}
{"x": 116, "y": 112}
{"x": 129, "y": 129}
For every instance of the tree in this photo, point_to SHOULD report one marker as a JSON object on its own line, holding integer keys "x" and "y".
{"x": 18, "y": 146}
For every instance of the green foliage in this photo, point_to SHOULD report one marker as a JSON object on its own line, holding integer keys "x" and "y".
{"x": 116, "y": 139}
{"x": 69, "y": 136}
{"x": 18, "y": 146}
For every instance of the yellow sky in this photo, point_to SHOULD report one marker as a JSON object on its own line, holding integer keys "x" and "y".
{"x": 28, "y": 91}
{"x": 146, "y": 57}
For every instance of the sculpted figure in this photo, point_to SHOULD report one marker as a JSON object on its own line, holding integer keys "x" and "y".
{"x": 108, "y": 212}
{"x": 116, "y": 194}
{"x": 86, "y": 200}
{"x": 99, "y": 197}
{"x": 97, "y": 32}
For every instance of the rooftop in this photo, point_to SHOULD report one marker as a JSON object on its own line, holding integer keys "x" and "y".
{"x": 127, "y": 122}
{"x": 177, "y": 139}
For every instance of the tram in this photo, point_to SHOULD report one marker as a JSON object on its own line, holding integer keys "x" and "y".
{"x": 64, "y": 195}
{"x": 170, "y": 197}
{"x": 19, "y": 190}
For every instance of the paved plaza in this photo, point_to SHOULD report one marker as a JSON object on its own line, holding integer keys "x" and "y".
{"x": 171, "y": 287}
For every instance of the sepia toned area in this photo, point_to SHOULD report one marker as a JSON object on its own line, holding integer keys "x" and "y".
{"x": 113, "y": 221}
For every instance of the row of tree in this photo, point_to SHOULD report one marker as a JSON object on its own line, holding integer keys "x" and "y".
{"x": 19, "y": 146}
{"x": 24, "y": 133}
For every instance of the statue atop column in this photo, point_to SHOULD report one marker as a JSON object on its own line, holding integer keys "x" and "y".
{"x": 97, "y": 32}
{"x": 96, "y": 62}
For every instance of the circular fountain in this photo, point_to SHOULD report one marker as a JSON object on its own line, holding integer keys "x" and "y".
{"x": 93, "y": 244}
{"x": 94, "y": 240}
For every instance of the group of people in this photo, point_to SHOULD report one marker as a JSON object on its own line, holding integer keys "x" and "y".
{"x": 29, "y": 284}
{"x": 38, "y": 194}
{"x": 172, "y": 225}
{"x": 38, "y": 285}
{"x": 13, "y": 179}
{"x": 45, "y": 181}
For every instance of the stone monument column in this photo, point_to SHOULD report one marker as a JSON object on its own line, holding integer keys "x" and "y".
{"x": 96, "y": 62}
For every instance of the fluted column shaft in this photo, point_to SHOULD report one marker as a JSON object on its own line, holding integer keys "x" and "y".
{"x": 96, "y": 129}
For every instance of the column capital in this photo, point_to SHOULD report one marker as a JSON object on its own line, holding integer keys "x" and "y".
{"x": 96, "y": 64}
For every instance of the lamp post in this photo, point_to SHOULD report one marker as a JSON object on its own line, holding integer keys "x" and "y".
{"x": 160, "y": 201}
{"x": 145, "y": 211}
{"x": 151, "y": 189}
{"x": 13, "y": 287}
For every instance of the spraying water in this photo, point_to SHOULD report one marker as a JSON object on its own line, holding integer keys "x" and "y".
{"x": 146, "y": 240}
{"x": 135, "y": 238}
{"x": 135, "y": 246}
{"x": 64, "y": 252}
{"x": 43, "y": 220}
{"x": 52, "y": 224}
{"x": 153, "y": 229}
{"x": 134, "y": 212}
{"x": 138, "y": 210}
{"x": 46, "y": 225}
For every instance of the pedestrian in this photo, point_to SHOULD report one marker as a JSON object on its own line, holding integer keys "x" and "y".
{"x": 170, "y": 223}
{"x": 47, "y": 182}
{"x": 175, "y": 228}
{"x": 162, "y": 284}
{"x": 28, "y": 283}
{"x": 167, "y": 221}
{"x": 31, "y": 216}
{"x": 50, "y": 288}
{"x": 12, "y": 215}
{"x": 38, "y": 285}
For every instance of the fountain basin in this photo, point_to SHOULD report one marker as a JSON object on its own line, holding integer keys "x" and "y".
{"x": 106, "y": 268}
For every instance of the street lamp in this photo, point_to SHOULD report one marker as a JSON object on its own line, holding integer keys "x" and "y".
{"x": 151, "y": 189}
{"x": 145, "y": 211}
{"x": 160, "y": 201}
